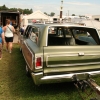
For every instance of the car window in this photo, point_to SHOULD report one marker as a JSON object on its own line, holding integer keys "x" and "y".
{"x": 34, "y": 34}
{"x": 84, "y": 36}
{"x": 72, "y": 36}
{"x": 60, "y": 36}
{"x": 52, "y": 30}
{"x": 27, "y": 31}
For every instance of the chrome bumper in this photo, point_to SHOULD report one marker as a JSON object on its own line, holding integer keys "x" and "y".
{"x": 40, "y": 79}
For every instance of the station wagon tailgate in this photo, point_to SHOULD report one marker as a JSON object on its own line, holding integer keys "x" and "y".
{"x": 71, "y": 59}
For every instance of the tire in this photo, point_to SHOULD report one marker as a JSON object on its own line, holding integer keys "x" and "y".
{"x": 27, "y": 72}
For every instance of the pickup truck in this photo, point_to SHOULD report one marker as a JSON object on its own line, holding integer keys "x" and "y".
{"x": 60, "y": 52}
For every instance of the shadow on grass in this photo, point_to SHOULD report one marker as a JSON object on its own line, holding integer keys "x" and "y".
{"x": 22, "y": 88}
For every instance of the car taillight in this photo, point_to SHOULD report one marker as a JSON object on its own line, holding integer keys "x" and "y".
{"x": 38, "y": 62}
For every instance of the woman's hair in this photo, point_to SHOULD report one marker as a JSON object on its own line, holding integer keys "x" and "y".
{"x": 8, "y": 21}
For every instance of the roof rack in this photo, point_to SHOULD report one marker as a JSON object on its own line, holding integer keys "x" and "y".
{"x": 59, "y": 22}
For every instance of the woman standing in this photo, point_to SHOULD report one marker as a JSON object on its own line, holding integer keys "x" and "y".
{"x": 8, "y": 31}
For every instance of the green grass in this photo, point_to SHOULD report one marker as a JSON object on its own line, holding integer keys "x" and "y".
{"x": 15, "y": 85}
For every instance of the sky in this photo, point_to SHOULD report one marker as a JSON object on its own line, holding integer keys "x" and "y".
{"x": 77, "y": 7}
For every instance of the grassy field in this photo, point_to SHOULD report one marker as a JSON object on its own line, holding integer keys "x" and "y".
{"x": 15, "y": 85}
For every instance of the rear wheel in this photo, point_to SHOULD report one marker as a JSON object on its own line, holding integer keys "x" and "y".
{"x": 27, "y": 71}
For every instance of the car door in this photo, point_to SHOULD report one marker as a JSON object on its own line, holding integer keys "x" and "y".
{"x": 30, "y": 46}
{"x": 27, "y": 53}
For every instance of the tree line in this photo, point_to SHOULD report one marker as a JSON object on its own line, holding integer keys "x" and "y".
{"x": 21, "y": 11}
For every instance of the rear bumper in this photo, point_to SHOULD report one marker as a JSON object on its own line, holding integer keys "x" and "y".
{"x": 38, "y": 78}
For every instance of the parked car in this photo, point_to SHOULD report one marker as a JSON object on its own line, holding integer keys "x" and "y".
{"x": 60, "y": 52}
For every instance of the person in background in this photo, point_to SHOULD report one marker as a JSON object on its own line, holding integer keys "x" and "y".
{"x": 1, "y": 41}
{"x": 8, "y": 32}
{"x": 10, "y": 22}
{"x": 22, "y": 29}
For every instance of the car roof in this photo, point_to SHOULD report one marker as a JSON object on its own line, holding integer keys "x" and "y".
{"x": 68, "y": 24}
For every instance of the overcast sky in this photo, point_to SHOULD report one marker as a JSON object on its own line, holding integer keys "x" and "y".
{"x": 77, "y": 7}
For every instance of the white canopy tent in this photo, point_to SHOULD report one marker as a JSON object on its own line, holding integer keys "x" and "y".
{"x": 37, "y": 15}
